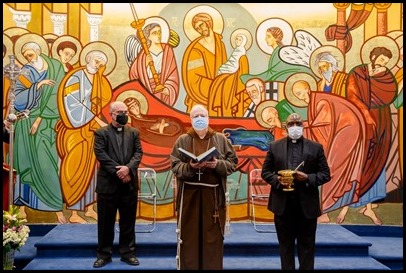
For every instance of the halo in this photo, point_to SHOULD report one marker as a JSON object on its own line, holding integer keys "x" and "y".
{"x": 241, "y": 31}
{"x": 326, "y": 48}
{"x": 103, "y": 47}
{"x": 260, "y": 108}
{"x": 9, "y": 49}
{"x": 72, "y": 39}
{"x": 15, "y": 31}
{"x": 137, "y": 95}
{"x": 292, "y": 99}
{"x": 218, "y": 22}
{"x": 164, "y": 27}
{"x": 397, "y": 35}
{"x": 26, "y": 38}
{"x": 274, "y": 22}
{"x": 394, "y": 34}
{"x": 399, "y": 41}
{"x": 376, "y": 41}
{"x": 50, "y": 38}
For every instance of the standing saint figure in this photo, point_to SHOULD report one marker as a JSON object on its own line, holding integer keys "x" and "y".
{"x": 201, "y": 61}
{"x": 35, "y": 155}
{"x": 161, "y": 54}
{"x": 83, "y": 93}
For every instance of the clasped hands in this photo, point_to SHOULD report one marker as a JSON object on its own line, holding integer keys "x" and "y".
{"x": 123, "y": 172}
{"x": 204, "y": 164}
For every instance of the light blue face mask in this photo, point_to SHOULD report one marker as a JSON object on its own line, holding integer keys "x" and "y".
{"x": 200, "y": 123}
{"x": 295, "y": 132}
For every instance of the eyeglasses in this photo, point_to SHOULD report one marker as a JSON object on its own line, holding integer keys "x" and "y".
{"x": 297, "y": 123}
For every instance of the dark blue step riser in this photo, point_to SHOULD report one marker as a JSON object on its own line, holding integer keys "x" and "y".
{"x": 336, "y": 248}
{"x": 393, "y": 265}
{"x": 157, "y": 250}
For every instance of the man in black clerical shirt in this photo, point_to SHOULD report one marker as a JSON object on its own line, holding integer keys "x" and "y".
{"x": 296, "y": 211}
{"x": 118, "y": 149}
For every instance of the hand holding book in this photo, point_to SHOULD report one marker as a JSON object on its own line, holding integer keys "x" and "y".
{"x": 206, "y": 156}
{"x": 211, "y": 163}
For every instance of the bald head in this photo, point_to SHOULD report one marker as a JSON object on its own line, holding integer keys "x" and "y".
{"x": 270, "y": 116}
{"x": 198, "y": 109}
{"x": 118, "y": 106}
{"x": 294, "y": 119}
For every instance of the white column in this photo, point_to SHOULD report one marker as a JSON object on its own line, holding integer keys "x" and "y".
{"x": 58, "y": 20}
{"x": 21, "y": 18}
{"x": 94, "y": 21}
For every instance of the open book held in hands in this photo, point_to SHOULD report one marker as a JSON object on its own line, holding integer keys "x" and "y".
{"x": 207, "y": 155}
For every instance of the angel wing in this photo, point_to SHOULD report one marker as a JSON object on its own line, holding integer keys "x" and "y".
{"x": 300, "y": 54}
{"x": 132, "y": 47}
{"x": 174, "y": 38}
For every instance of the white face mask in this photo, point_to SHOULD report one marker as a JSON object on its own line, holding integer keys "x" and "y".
{"x": 200, "y": 123}
{"x": 295, "y": 132}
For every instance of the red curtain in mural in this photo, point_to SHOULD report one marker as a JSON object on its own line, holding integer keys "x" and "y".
{"x": 358, "y": 15}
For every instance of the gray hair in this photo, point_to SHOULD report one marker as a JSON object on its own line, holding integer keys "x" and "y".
{"x": 257, "y": 82}
{"x": 329, "y": 58}
{"x": 198, "y": 107}
{"x": 114, "y": 105}
{"x": 96, "y": 54}
{"x": 31, "y": 45}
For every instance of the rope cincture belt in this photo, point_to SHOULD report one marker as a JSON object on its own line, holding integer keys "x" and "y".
{"x": 201, "y": 184}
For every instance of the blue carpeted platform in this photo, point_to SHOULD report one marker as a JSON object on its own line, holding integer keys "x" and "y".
{"x": 73, "y": 246}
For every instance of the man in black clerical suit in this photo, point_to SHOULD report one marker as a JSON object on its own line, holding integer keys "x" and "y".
{"x": 119, "y": 152}
{"x": 296, "y": 212}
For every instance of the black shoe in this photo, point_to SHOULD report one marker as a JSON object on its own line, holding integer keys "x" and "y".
{"x": 130, "y": 260}
{"x": 101, "y": 262}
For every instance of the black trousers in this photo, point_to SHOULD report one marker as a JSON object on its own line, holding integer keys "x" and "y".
{"x": 293, "y": 226}
{"x": 125, "y": 203}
